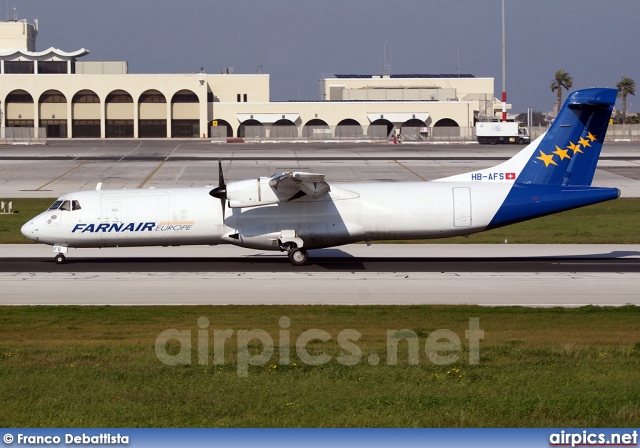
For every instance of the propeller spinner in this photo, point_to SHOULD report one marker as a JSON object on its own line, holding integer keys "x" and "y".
{"x": 220, "y": 191}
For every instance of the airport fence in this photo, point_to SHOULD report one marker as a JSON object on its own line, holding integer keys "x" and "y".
{"x": 630, "y": 132}
{"x": 615, "y": 132}
{"x": 26, "y": 135}
{"x": 314, "y": 133}
{"x": 623, "y": 132}
{"x": 406, "y": 134}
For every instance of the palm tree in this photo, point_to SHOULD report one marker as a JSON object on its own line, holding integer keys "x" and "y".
{"x": 561, "y": 80}
{"x": 625, "y": 87}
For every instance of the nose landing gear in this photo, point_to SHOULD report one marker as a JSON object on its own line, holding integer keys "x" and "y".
{"x": 59, "y": 258}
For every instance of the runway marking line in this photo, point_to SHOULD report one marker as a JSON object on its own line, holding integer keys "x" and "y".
{"x": 148, "y": 178}
{"x": 62, "y": 175}
{"x": 127, "y": 154}
{"x": 411, "y": 171}
{"x": 174, "y": 150}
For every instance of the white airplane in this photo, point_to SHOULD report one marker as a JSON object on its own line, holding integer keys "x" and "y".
{"x": 297, "y": 211}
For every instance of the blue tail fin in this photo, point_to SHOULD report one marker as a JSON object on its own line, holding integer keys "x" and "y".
{"x": 567, "y": 155}
{"x": 559, "y": 171}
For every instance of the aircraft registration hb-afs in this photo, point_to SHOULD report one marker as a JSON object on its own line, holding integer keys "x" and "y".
{"x": 296, "y": 211}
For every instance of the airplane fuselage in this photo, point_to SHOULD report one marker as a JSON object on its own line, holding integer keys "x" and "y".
{"x": 349, "y": 213}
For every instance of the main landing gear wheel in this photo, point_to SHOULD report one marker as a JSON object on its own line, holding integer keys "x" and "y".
{"x": 59, "y": 258}
{"x": 298, "y": 257}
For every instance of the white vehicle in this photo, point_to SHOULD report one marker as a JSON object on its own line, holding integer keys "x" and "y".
{"x": 297, "y": 211}
{"x": 492, "y": 132}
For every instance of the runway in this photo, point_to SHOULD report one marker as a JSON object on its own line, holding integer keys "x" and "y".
{"x": 320, "y": 263}
{"x": 490, "y": 275}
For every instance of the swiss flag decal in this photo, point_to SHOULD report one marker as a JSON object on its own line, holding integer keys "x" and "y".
{"x": 510, "y": 176}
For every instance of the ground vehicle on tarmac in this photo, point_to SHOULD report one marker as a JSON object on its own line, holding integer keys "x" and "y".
{"x": 493, "y": 132}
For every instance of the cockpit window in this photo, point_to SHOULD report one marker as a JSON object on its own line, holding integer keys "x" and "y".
{"x": 55, "y": 205}
{"x": 65, "y": 205}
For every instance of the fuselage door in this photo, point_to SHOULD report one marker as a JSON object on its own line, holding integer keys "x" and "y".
{"x": 461, "y": 207}
{"x": 113, "y": 212}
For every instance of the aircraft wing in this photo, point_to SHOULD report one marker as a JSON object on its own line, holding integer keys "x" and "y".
{"x": 300, "y": 183}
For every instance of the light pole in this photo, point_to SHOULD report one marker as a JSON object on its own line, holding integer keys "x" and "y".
{"x": 504, "y": 67}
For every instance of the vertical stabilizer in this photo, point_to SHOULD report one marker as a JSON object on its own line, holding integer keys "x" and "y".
{"x": 568, "y": 153}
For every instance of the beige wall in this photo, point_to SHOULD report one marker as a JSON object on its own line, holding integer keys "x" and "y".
{"x": 86, "y": 111}
{"x": 332, "y": 113}
{"x": 24, "y": 109}
{"x": 17, "y": 36}
{"x": 404, "y": 94}
{"x": 153, "y": 111}
{"x": 462, "y": 86}
{"x": 120, "y": 111}
{"x": 102, "y": 67}
{"x": 57, "y": 109}
{"x": 185, "y": 111}
{"x": 225, "y": 89}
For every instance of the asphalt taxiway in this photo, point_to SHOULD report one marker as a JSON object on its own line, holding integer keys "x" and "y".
{"x": 64, "y": 166}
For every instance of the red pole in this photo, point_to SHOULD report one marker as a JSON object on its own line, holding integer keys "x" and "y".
{"x": 504, "y": 106}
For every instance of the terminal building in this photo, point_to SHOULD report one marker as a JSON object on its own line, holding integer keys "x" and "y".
{"x": 72, "y": 98}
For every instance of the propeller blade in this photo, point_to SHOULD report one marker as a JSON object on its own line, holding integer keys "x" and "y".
{"x": 220, "y": 191}
{"x": 220, "y": 174}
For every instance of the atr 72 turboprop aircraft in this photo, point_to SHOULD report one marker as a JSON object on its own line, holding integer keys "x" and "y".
{"x": 296, "y": 211}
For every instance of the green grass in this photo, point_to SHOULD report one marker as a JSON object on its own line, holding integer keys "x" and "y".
{"x": 613, "y": 222}
{"x": 96, "y": 366}
{"x": 23, "y": 211}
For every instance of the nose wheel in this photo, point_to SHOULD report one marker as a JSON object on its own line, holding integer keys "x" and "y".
{"x": 298, "y": 257}
{"x": 59, "y": 258}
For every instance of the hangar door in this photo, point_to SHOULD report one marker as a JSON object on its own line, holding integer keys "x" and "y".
{"x": 461, "y": 207}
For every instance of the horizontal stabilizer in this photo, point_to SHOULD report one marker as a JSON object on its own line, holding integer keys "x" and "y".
{"x": 533, "y": 201}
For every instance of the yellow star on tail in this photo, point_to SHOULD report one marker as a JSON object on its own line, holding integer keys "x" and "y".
{"x": 591, "y": 137}
{"x": 584, "y": 142}
{"x": 562, "y": 153}
{"x": 547, "y": 159}
{"x": 574, "y": 148}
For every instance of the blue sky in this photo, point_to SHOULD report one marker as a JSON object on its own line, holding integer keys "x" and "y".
{"x": 296, "y": 41}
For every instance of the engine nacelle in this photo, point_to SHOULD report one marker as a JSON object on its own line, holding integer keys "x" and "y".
{"x": 280, "y": 187}
{"x": 252, "y": 192}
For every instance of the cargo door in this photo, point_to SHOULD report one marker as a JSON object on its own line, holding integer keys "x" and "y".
{"x": 113, "y": 212}
{"x": 461, "y": 207}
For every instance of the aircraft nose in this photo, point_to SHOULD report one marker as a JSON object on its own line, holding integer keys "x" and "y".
{"x": 28, "y": 230}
